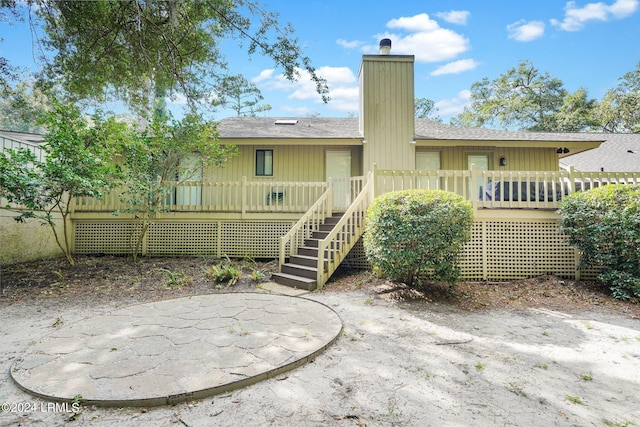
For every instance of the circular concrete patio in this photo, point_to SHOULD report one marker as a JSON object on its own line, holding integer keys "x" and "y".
{"x": 176, "y": 350}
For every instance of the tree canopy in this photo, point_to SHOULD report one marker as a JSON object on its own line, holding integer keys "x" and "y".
{"x": 126, "y": 49}
{"x": 241, "y": 96}
{"x": 525, "y": 98}
{"x": 619, "y": 110}
{"x": 425, "y": 108}
{"x": 23, "y": 108}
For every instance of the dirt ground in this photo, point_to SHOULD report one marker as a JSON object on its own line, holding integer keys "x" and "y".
{"x": 538, "y": 352}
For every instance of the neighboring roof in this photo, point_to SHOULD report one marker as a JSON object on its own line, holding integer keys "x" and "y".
{"x": 29, "y": 138}
{"x": 304, "y": 128}
{"x": 619, "y": 153}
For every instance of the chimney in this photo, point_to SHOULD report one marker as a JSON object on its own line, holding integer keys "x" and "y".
{"x": 386, "y": 118}
{"x": 385, "y": 46}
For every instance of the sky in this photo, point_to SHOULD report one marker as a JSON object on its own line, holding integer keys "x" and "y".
{"x": 455, "y": 42}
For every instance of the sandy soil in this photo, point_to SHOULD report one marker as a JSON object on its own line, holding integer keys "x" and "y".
{"x": 561, "y": 354}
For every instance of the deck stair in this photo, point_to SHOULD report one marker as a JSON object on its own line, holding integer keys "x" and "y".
{"x": 319, "y": 242}
{"x": 302, "y": 269}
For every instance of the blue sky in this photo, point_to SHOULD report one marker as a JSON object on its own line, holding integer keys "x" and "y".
{"x": 456, "y": 43}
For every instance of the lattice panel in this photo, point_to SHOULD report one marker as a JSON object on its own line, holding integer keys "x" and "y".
{"x": 357, "y": 257}
{"x": 527, "y": 249}
{"x": 471, "y": 259}
{"x": 196, "y": 238}
{"x": 514, "y": 249}
{"x": 112, "y": 238}
{"x": 253, "y": 239}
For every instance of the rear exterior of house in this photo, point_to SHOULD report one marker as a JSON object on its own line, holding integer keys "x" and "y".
{"x": 299, "y": 188}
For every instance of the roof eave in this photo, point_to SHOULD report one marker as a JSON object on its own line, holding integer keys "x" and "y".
{"x": 291, "y": 141}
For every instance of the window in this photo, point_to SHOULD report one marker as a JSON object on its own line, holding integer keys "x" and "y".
{"x": 264, "y": 162}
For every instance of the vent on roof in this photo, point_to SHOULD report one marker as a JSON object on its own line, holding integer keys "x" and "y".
{"x": 285, "y": 122}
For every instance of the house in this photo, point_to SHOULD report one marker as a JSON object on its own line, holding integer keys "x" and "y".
{"x": 300, "y": 186}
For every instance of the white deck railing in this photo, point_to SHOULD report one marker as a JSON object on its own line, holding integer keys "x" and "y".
{"x": 302, "y": 230}
{"x": 236, "y": 196}
{"x": 344, "y": 235}
{"x": 502, "y": 189}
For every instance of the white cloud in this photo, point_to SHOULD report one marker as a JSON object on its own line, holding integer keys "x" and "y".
{"x": 455, "y": 16}
{"x": 343, "y": 87}
{"x": 576, "y": 17}
{"x": 523, "y": 31}
{"x": 349, "y": 44}
{"x": 449, "y": 107}
{"x": 421, "y": 36}
{"x": 455, "y": 67}
{"x": 264, "y": 75}
{"x": 176, "y": 99}
{"x": 418, "y": 23}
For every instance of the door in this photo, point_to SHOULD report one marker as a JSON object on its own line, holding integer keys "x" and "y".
{"x": 338, "y": 168}
{"x": 189, "y": 192}
{"x": 481, "y": 162}
{"x": 428, "y": 161}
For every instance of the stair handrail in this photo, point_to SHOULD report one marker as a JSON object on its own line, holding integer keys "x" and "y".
{"x": 337, "y": 241}
{"x": 310, "y": 221}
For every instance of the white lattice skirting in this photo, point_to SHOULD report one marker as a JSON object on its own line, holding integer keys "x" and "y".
{"x": 498, "y": 250}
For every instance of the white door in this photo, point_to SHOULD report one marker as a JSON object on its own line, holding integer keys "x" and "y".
{"x": 338, "y": 168}
{"x": 428, "y": 161}
{"x": 481, "y": 162}
{"x": 189, "y": 192}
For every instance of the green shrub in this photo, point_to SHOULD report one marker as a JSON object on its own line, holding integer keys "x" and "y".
{"x": 416, "y": 232}
{"x": 225, "y": 272}
{"x": 604, "y": 225}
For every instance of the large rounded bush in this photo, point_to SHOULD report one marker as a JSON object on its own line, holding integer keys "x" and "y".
{"x": 604, "y": 224}
{"x": 416, "y": 232}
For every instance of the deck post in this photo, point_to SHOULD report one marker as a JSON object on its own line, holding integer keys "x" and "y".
{"x": 243, "y": 201}
{"x": 572, "y": 180}
{"x": 472, "y": 187}
{"x": 330, "y": 200}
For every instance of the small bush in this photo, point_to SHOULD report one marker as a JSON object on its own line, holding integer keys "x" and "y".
{"x": 225, "y": 272}
{"x": 411, "y": 233}
{"x": 604, "y": 225}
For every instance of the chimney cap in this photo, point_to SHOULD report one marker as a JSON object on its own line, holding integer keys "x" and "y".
{"x": 385, "y": 46}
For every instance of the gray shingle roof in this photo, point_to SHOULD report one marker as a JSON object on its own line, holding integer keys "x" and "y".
{"x": 619, "y": 153}
{"x": 429, "y": 129}
{"x": 30, "y": 138}
{"x": 347, "y": 128}
{"x": 305, "y": 128}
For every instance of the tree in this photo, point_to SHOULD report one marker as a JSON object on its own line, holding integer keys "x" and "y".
{"x": 522, "y": 98}
{"x": 619, "y": 110}
{"x": 241, "y": 96}
{"x": 77, "y": 164}
{"x": 426, "y": 109}
{"x": 24, "y": 107}
{"x": 156, "y": 159}
{"x": 7, "y": 71}
{"x": 127, "y": 49}
{"x": 577, "y": 113}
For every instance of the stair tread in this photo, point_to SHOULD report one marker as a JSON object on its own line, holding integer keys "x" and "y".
{"x": 305, "y": 256}
{"x": 294, "y": 277}
{"x": 302, "y": 267}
